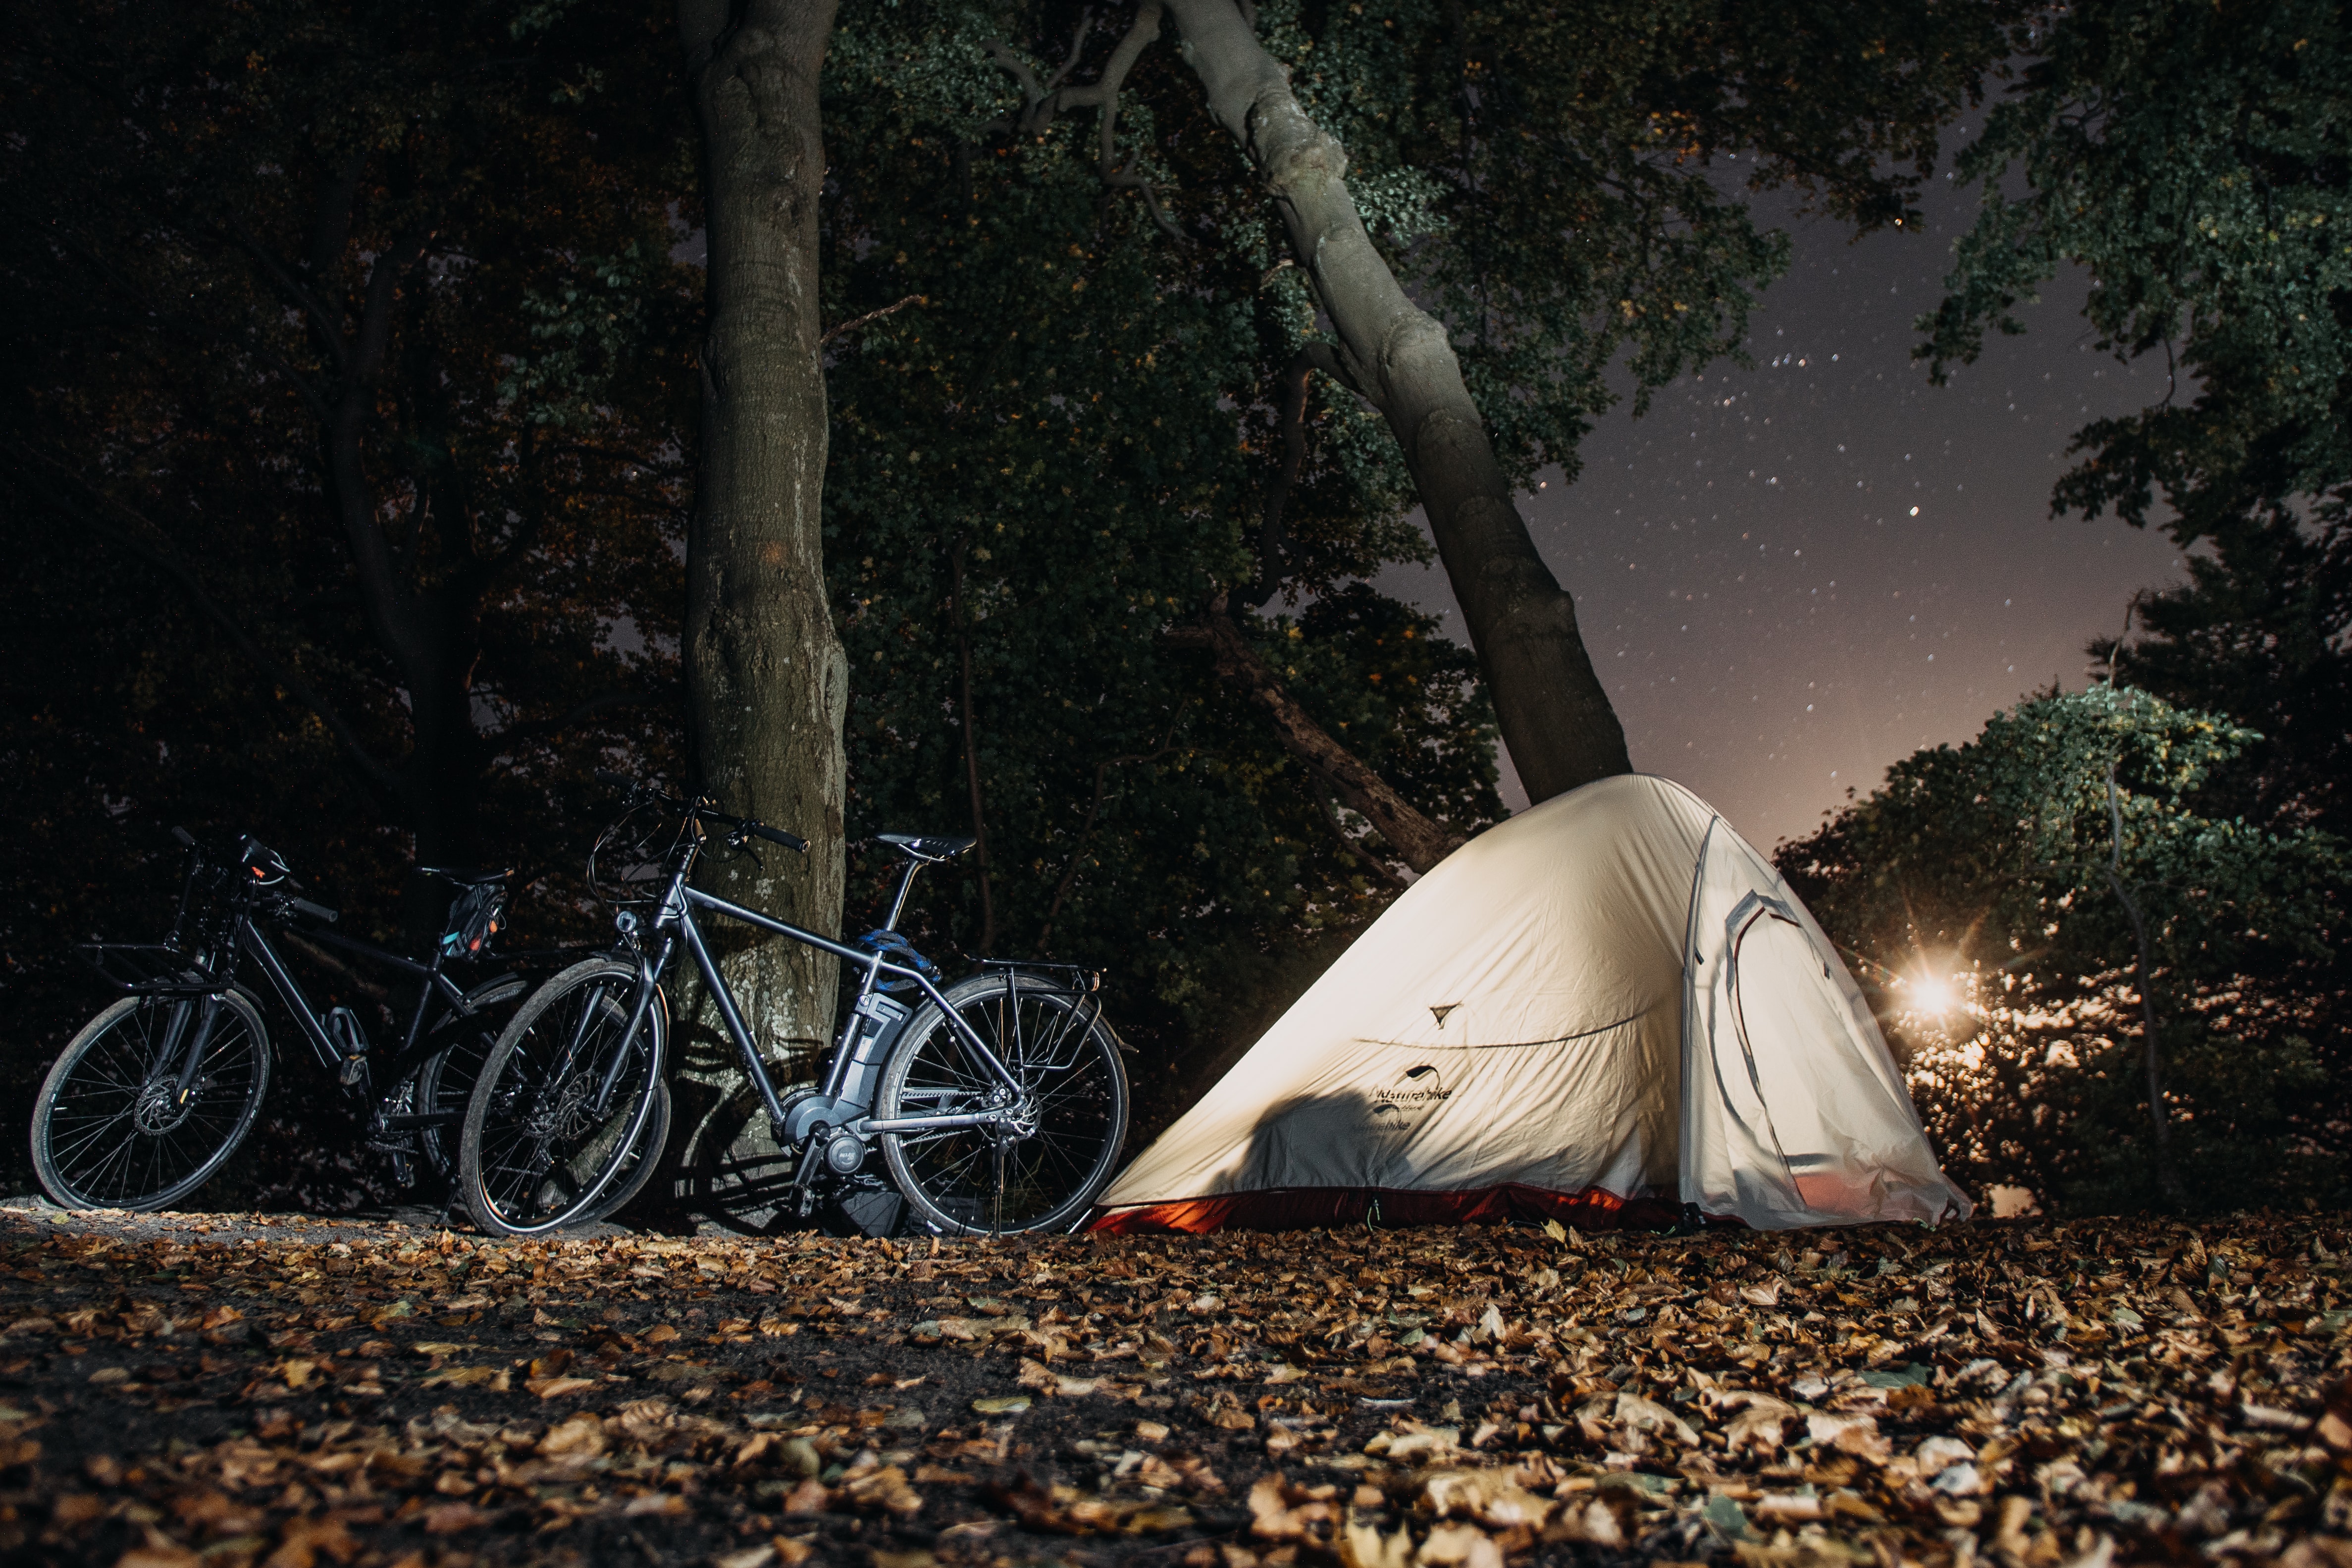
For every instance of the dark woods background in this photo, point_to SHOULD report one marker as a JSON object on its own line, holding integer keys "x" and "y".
{"x": 351, "y": 398}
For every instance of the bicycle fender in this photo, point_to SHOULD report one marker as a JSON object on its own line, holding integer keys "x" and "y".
{"x": 490, "y": 993}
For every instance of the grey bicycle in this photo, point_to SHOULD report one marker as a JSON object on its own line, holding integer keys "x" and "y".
{"x": 996, "y": 1104}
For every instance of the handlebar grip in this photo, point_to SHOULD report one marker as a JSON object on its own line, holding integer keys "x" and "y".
{"x": 316, "y": 911}
{"x": 777, "y": 835}
{"x": 187, "y": 839}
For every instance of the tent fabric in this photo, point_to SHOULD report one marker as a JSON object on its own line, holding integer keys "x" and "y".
{"x": 1606, "y": 1008}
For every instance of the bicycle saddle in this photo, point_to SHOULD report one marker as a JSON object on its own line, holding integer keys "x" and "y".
{"x": 928, "y": 846}
{"x": 465, "y": 878}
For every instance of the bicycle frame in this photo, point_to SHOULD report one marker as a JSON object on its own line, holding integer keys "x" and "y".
{"x": 675, "y": 924}
{"x": 196, "y": 993}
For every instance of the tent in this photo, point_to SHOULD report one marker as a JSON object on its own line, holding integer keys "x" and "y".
{"x": 1604, "y": 1009}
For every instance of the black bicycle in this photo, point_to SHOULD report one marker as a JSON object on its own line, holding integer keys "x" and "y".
{"x": 998, "y": 1104}
{"x": 154, "y": 1094}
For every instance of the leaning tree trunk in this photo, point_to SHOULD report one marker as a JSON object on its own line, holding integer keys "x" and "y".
{"x": 767, "y": 680}
{"x": 1554, "y": 716}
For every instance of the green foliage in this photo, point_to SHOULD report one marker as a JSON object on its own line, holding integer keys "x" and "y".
{"x": 1560, "y": 185}
{"x": 2193, "y": 158}
{"x": 2263, "y": 628}
{"x": 190, "y": 639}
{"x": 2009, "y": 868}
{"x": 1067, "y": 420}
{"x": 1084, "y": 411}
{"x": 1571, "y": 174}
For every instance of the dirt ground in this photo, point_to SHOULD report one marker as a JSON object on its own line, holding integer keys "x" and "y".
{"x": 239, "y": 1390}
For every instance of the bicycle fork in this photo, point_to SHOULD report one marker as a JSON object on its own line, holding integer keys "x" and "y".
{"x": 208, "y": 1015}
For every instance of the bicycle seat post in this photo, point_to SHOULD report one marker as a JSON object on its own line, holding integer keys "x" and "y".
{"x": 906, "y": 883}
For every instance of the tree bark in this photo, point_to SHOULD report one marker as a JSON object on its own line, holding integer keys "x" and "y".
{"x": 767, "y": 680}
{"x": 1420, "y": 842}
{"x": 1554, "y": 715}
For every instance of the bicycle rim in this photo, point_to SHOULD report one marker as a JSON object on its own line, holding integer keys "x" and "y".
{"x": 537, "y": 1152}
{"x": 444, "y": 1083}
{"x": 981, "y": 1180}
{"x": 109, "y": 1131}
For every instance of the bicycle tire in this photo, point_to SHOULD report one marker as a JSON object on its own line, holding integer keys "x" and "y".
{"x": 445, "y": 1083}
{"x": 969, "y": 1181}
{"x": 105, "y": 1133}
{"x": 647, "y": 1153}
{"x": 534, "y": 1156}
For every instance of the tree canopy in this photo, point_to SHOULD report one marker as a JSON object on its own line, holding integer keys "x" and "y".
{"x": 2197, "y": 160}
{"x": 2027, "y": 907}
{"x": 354, "y": 412}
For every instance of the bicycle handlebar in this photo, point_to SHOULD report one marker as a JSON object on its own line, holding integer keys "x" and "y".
{"x": 708, "y": 811}
{"x": 316, "y": 911}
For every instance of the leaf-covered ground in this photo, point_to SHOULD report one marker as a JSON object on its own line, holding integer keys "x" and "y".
{"x": 234, "y": 1390}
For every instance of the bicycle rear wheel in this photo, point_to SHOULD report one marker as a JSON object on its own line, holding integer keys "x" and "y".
{"x": 110, "y": 1129}
{"x": 537, "y": 1153}
{"x": 444, "y": 1083}
{"x": 1040, "y": 1175}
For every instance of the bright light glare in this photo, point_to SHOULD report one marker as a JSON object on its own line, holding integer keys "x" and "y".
{"x": 1934, "y": 995}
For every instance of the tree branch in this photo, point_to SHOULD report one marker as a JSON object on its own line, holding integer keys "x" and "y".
{"x": 331, "y": 231}
{"x": 371, "y": 554}
{"x": 2156, "y": 1113}
{"x": 1329, "y": 811}
{"x": 1418, "y": 841}
{"x": 1271, "y": 553}
{"x": 856, "y": 322}
{"x": 1043, "y": 100}
{"x": 327, "y": 325}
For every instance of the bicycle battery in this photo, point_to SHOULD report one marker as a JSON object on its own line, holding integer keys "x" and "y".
{"x": 879, "y": 1020}
{"x": 351, "y": 1043}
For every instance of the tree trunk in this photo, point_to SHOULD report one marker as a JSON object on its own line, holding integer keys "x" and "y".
{"x": 1554, "y": 715}
{"x": 767, "y": 680}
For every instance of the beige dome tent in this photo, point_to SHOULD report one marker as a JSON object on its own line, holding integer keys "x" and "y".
{"x": 1606, "y": 1008}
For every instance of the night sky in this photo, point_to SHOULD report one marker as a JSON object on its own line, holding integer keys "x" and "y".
{"x": 1791, "y": 577}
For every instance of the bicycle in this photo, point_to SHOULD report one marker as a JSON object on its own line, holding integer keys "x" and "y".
{"x": 998, "y": 1105}
{"x": 155, "y": 1093}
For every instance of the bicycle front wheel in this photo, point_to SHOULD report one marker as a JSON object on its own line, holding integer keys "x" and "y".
{"x": 112, "y": 1129}
{"x": 1039, "y": 1172}
{"x": 544, "y": 1146}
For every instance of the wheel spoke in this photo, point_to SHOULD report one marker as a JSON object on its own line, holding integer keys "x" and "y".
{"x": 542, "y": 1145}
{"x": 1019, "y": 1177}
{"x": 110, "y": 1127}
